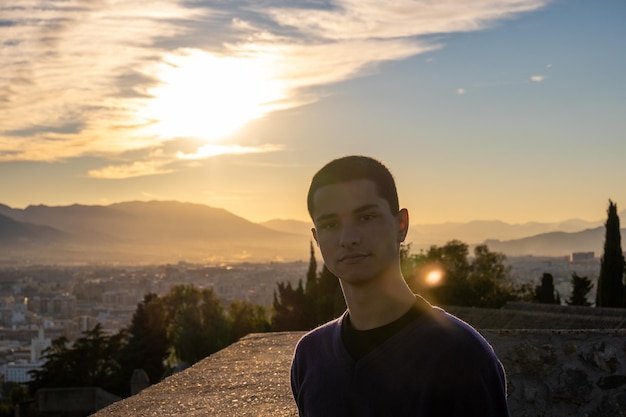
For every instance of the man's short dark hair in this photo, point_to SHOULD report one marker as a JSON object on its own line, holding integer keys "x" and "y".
{"x": 356, "y": 167}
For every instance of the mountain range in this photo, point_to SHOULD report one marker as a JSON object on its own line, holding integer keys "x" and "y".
{"x": 168, "y": 231}
{"x": 139, "y": 233}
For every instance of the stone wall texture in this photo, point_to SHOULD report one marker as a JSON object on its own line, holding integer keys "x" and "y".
{"x": 549, "y": 372}
{"x": 563, "y": 372}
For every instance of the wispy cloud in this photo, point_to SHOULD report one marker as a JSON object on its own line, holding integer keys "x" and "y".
{"x": 210, "y": 150}
{"x": 157, "y": 163}
{"x": 91, "y": 78}
{"x": 537, "y": 78}
{"x": 394, "y": 19}
{"x": 134, "y": 169}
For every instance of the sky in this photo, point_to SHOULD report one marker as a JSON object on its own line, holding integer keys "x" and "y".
{"x": 482, "y": 109}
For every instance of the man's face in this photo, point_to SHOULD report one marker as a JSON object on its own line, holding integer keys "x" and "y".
{"x": 357, "y": 234}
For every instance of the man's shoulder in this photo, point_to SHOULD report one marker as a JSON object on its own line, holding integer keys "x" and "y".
{"x": 456, "y": 334}
{"x": 321, "y": 335}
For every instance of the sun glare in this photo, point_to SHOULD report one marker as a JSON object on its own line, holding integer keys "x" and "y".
{"x": 209, "y": 97}
{"x": 434, "y": 277}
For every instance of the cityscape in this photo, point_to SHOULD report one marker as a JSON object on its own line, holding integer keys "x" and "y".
{"x": 41, "y": 303}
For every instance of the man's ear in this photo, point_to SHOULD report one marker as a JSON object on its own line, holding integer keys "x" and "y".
{"x": 403, "y": 224}
{"x": 314, "y": 233}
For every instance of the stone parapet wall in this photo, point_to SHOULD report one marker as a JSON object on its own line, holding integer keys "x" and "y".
{"x": 550, "y": 373}
{"x": 248, "y": 378}
{"x": 563, "y": 372}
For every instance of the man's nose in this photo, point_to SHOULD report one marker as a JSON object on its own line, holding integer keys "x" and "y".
{"x": 349, "y": 237}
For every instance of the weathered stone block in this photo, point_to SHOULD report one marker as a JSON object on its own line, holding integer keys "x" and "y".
{"x": 532, "y": 359}
{"x": 573, "y": 386}
{"x": 611, "y": 381}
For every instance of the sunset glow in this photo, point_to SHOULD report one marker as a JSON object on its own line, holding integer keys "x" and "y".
{"x": 483, "y": 109}
{"x": 208, "y": 97}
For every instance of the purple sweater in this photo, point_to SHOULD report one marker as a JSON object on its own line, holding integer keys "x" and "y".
{"x": 437, "y": 365}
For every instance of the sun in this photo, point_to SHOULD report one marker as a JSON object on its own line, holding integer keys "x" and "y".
{"x": 209, "y": 97}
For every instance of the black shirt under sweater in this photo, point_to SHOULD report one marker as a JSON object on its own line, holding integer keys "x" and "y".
{"x": 359, "y": 343}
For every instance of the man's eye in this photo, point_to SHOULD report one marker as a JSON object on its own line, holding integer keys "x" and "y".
{"x": 367, "y": 217}
{"x": 328, "y": 226}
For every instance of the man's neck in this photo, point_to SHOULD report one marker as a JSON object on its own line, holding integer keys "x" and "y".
{"x": 378, "y": 303}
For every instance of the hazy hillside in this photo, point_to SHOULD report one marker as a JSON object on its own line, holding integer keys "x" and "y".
{"x": 480, "y": 230}
{"x": 12, "y": 230}
{"x": 289, "y": 226}
{"x": 142, "y": 232}
{"x": 556, "y": 243}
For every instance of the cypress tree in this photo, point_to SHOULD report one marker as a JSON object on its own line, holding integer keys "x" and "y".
{"x": 311, "y": 275}
{"x": 545, "y": 293}
{"x": 309, "y": 305}
{"x": 312, "y": 293}
{"x": 610, "y": 290}
{"x": 330, "y": 303}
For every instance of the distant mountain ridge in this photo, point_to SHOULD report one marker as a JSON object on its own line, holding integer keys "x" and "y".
{"x": 170, "y": 231}
{"x": 27, "y": 232}
{"x": 533, "y": 238}
{"x": 146, "y": 232}
{"x": 555, "y": 243}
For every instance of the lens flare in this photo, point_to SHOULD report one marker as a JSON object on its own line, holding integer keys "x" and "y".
{"x": 434, "y": 277}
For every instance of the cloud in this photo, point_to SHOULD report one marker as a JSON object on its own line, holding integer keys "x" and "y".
{"x": 158, "y": 163}
{"x": 372, "y": 19}
{"x": 61, "y": 62}
{"x": 209, "y": 151}
{"x": 537, "y": 78}
{"x": 91, "y": 78}
{"x": 460, "y": 91}
{"x": 135, "y": 169}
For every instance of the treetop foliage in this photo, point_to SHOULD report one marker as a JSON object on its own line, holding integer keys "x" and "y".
{"x": 306, "y": 307}
{"x": 481, "y": 280}
{"x": 545, "y": 293}
{"x": 580, "y": 288}
{"x": 185, "y": 325}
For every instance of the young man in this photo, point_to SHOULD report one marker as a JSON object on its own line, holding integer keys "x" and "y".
{"x": 391, "y": 353}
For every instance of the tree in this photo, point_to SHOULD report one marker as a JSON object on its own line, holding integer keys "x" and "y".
{"x": 545, "y": 293}
{"x": 16, "y": 400}
{"x": 198, "y": 325}
{"x": 187, "y": 323}
{"x": 447, "y": 275}
{"x": 610, "y": 290}
{"x": 489, "y": 278}
{"x": 304, "y": 308}
{"x": 580, "y": 288}
{"x": 244, "y": 318}
{"x": 451, "y": 263}
{"x": 92, "y": 361}
{"x": 148, "y": 345}
{"x": 289, "y": 308}
{"x": 312, "y": 293}
{"x": 311, "y": 275}
{"x": 330, "y": 302}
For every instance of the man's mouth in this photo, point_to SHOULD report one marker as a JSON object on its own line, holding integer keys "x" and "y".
{"x": 353, "y": 257}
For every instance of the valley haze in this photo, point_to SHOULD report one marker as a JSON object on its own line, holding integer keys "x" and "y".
{"x": 169, "y": 231}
